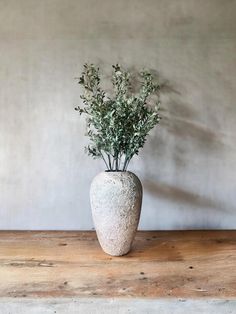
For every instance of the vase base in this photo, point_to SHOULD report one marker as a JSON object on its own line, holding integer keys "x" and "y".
{"x": 116, "y": 253}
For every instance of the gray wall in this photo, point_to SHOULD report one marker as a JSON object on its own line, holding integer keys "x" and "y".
{"x": 188, "y": 166}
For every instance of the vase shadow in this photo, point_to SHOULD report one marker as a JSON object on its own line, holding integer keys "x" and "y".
{"x": 191, "y": 141}
{"x": 180, "y": 245}
{"x": 177, "y": 194}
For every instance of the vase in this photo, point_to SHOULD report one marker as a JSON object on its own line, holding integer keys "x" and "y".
{"x": 116, "y": 200}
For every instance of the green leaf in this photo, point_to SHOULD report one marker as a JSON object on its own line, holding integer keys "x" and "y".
{"x": 118, "y": 123}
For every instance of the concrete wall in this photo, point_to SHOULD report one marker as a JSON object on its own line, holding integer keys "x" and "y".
{"x": 188, "y": 166}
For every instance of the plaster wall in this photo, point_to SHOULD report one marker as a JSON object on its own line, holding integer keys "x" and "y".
{"x": 187, "y": 167}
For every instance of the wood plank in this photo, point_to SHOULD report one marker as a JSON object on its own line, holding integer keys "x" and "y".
{"x": 174, "y": 264}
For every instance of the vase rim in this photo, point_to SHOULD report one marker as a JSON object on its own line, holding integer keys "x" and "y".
{"x": 117, "y": 173}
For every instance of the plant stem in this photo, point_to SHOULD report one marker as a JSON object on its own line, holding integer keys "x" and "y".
{"x": 120, "y": 160}
{"x": 104, "y": 161}
{"x": 116, "y": 163}
{"x": 125, "y": 162}
{"x": 109, "y": 160}
{"x": 113, "y": 161}
{"x": 117, "y": 159}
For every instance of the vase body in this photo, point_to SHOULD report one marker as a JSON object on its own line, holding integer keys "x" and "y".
{"x": 116, "y": 199}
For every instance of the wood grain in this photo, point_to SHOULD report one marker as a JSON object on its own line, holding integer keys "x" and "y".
{"x": 180, "y": 264}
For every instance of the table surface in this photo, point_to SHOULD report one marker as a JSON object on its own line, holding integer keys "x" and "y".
{"x": 162, "y": 264}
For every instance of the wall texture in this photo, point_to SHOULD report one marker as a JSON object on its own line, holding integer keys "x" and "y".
{"x": 188, "y": 166}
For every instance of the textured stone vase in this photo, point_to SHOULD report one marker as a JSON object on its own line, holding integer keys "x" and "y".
{"x": 116, "y": 199}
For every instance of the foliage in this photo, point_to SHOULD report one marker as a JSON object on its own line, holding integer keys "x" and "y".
{"x": 118, "y": 124}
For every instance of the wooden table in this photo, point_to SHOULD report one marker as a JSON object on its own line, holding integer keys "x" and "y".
{"x": 176, "y": 264}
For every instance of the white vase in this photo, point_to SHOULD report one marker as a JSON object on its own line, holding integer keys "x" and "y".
{"x": 116, "y": 200}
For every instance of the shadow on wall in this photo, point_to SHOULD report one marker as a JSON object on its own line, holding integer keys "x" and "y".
{"x": 178, "y": 195}
{"x": 180, "y": 121}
